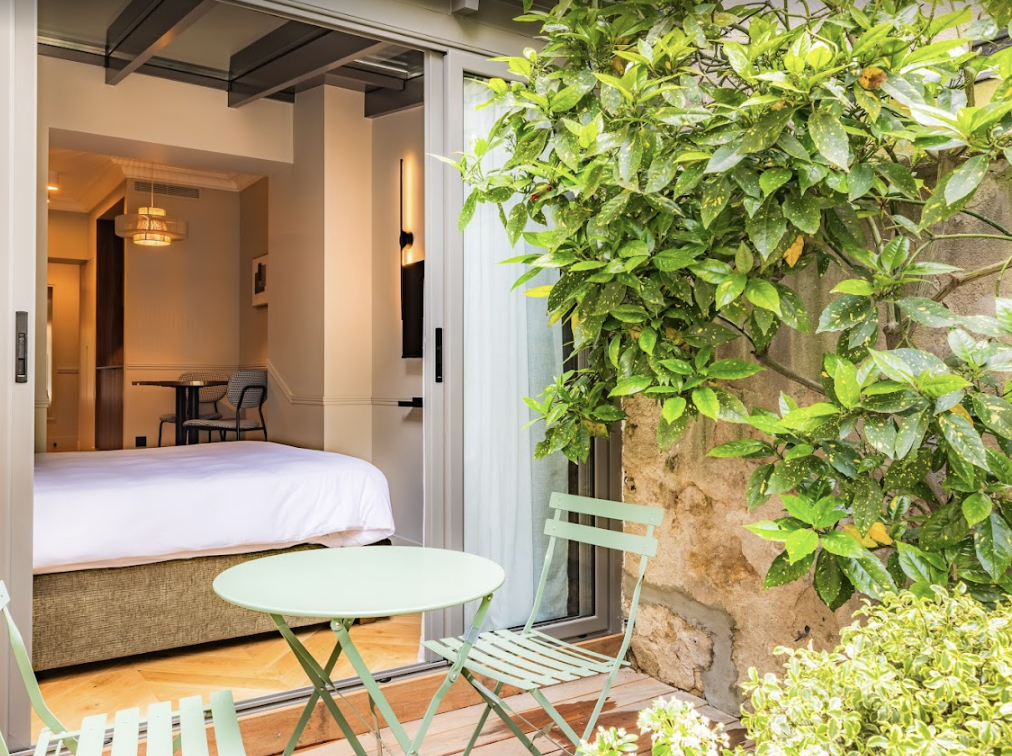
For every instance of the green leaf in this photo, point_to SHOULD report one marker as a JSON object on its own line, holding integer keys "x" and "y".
{"x": 900, "y": 177}
{"x": 828, "y": 578}
{"x": 937, "y": 209}
{"x": 880, "y": 432}
{"x": 803, "y": 212}
{"x": 708, "y": 334}
{"x": 766, "y": 228}
{"x": 731, "y": 369}
{"x": 793, "y": 310}
{"x": 921, "y": 566}
{"x": 632, "y": 385}
{"x": 706, "y": 402}
{"x": 788, "y": 474}
{"x": 993, "y": 544}
{"x": 927, "y": 312}
{"x": 995, "y": 413}
{"x": 935, "y": 386}
{"x": 662, "y": 172}
{"x": 830, "y": 138}
{"x": 755, "y": 489}
{"x": 714, "y": 199}
{"x": 868, "y": 574}
{"x": 724, "y": 159}
{"x": 673, "y": 408}
{"x": 467, "y": 213}
{"x": 768, "y": 530}
{"x": 801, "y": 543}
{"x": 965, "y": 179}
{"x": 730, "y": 289}
{"x": 865, "y": 502}
{"x": 839, "y": 543}
{"x": 859, "y": 181}
{"x": 963, "y": 439}
{"x": 668, "y": 433}
{"x": 647, "y": 340}
{"x": 845, "y": 383}
{"x": 765, "y": 132}
{"x": 774, "y": 178}
{"x": 976, "y": 507}
{"x": 784, "y": 571}
{"x": 845, "y": 312}
{"x": 763, "y": 294}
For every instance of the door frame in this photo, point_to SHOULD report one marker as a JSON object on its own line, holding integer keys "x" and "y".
{"x": 19, "y": 195}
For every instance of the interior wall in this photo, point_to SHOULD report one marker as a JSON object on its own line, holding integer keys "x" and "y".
{"x": 254, "y": 230}
{"x": 64, "y": 278}
{"x": 77, "y": 110}
{"x": 397, "y": 441}
{"x": 68, "y": 236}
{"x": 320, "y": 290}
{"x": 182, "y": 306}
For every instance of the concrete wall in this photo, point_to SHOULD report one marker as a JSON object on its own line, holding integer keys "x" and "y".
{"x": 396, "y": 431}
{"x": 705, "y": 618}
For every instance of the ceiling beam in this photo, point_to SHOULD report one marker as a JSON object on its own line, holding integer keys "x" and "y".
{"x": 346, "y": 77}
{"x": 282, "y": 69}
{"x": 143, "y": 29}
{"x": 386, "y": 101}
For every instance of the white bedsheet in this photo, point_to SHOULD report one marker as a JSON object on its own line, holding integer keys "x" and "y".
{"x": 113, "y": 509}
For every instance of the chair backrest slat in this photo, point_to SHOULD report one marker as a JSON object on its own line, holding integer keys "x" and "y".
{"x": 615, "y": 510}
{"x": 609, "y": 539}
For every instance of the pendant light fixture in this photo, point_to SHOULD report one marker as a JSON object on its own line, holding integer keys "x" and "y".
{"x": 150, "y": 226}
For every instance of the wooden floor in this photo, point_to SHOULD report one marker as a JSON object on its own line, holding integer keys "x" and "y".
{"x": 451, "y": 731}
{"x": 250, "y": 668}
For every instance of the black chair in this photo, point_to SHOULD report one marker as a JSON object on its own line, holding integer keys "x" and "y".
{"x": 246, "y": 389}
{"x": 208, "y": 395}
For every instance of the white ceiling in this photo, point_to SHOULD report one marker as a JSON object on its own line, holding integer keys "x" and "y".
{"x": 86, "y": 178}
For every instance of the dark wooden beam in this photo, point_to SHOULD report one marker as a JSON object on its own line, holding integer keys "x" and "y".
{"x": 386, "y": 101}
{"x": 283, "y": 40}
{"x": 347, "y": 77}
{"x": 144, "y": 28}
{"x": 287, "y": 69}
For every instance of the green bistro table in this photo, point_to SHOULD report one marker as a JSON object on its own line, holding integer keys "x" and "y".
{"x": 345, "y": 584}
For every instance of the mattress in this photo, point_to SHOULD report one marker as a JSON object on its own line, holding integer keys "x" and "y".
{"x": 138, "y": 506}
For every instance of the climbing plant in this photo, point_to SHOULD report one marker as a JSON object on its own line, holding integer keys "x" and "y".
{"x": 680, "y": 164}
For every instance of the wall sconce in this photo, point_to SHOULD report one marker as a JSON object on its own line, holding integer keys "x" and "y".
{"x": 412, "y": 289}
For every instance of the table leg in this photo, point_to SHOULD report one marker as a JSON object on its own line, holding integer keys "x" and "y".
{"x": 180, "y": 415}
{"x": 193, "y": 395}
{"x": 319, "y": 677}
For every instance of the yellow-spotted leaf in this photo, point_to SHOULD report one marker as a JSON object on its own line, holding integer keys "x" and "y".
{"x": 867, "y": 541}
{"x": 879, "y": 534}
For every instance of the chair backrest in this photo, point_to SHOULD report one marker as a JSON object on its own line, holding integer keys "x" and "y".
{"x": 24, "y": 663}
{"x": 600, "y": 535}
{"x": 240, "y": 380}
{"x": 208, "y": 394}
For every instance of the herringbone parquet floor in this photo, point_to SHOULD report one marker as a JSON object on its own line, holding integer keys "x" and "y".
{"x": 250, "y": 668}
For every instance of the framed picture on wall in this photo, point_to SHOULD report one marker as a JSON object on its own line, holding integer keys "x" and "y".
{"x": 260, "y": 281}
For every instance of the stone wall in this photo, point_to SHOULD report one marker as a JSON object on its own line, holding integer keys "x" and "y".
{"x": 705, "y": 619}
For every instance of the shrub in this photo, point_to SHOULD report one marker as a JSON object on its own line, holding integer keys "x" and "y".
{"x": 688, "y": 160}
{"x": 675, "y": 727}
{"x": 921, "y": 675}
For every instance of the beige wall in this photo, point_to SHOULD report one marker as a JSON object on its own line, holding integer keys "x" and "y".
{"x": 319, "y": 329}
{"x": 253, "y": 237}
{"x": 61, "y": 421}
{"x": 68, "y": 236}
{"x": 181, "y": 309}
{"x": 396, "y": 431}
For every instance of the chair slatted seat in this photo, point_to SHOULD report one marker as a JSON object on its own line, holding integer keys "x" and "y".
{"x": 531, "y": 660}
{"x": 127, "y": 730}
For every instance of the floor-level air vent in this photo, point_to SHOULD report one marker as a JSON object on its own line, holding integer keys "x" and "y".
{"x": 172, "y": 190}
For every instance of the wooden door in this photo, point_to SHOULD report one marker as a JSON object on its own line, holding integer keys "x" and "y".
{"x": 109, "y": 333}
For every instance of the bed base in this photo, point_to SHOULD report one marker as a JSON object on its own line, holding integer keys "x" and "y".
{"x": 96, "y": 615}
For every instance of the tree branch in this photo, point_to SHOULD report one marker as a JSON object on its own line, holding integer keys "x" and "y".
{"x": 772, "y": 364}
{"x": 959, "y": 279}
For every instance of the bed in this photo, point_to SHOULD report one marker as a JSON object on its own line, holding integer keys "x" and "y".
{"x": 127, "y": 542}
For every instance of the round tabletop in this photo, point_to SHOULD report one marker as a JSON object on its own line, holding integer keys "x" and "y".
{"x": 362, "y": 581}
{"x": 200, "y": 383}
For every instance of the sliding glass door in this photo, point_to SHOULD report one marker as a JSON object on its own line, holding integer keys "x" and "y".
{"x": 499, "y": 349}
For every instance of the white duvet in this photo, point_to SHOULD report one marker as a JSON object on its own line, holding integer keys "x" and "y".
{"x": 113, "y": 509}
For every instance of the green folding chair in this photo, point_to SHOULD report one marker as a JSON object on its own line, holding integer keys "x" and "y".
{"x": 127, "y": 728}
{"x": 531, "y": 660}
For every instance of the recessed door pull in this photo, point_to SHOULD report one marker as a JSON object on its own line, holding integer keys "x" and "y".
{"x": 21, "y": 347}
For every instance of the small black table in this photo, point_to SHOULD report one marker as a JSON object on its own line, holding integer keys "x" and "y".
{"x": 187, "y": 403}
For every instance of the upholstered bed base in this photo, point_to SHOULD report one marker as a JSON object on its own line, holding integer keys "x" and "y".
{"x": 94, "y": 615}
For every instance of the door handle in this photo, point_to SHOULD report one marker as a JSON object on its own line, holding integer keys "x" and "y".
{"x": 21, "y": 347}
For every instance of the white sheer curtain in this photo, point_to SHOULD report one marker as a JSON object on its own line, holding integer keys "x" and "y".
{"x": 509, "y": 352}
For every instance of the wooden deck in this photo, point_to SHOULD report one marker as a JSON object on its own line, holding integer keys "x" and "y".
{"x": 451, "y": 731}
